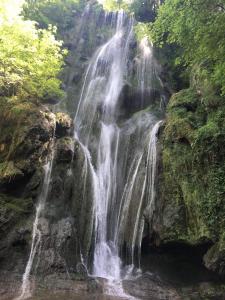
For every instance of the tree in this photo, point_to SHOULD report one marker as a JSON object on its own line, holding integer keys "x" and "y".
{"x": 197, "y": 27}
{"x": 114, "y": 5}
{"x": 30, "y": 59}
{"x": 60, "y": 13}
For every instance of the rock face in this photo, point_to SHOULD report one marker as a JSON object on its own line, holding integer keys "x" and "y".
{"x": 190, "y": 205}
{"x": 26, "y": 134}
{"x": 34, "y": 136}
{"x": 67, "y": 219}
{"x": 63, "y": 124}
{"x": 25, "y": 147}
{"x": 82, "y": 39}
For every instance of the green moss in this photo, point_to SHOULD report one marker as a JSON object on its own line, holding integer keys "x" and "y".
{"x": 13, "y": 210}
{"x": 8, "y": 171}
{"x": 194, "y": 166}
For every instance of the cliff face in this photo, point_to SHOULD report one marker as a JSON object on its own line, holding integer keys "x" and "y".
{"x": 26, "y": 133}
{"x": 190, "y": 205}
{"x": 35, "y": 134}
{"x": 88, "y": 31}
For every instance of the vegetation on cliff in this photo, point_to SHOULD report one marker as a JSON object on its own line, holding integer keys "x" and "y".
{"x": 60, "y": 13}
{"x": 193, "y": 176}
{"x": 31, "y": 58}
{"x": 197, "y": 29}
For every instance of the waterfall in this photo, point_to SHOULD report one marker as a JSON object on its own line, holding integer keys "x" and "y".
{"x": 26, "y": 289}
{"x": 120, "y": 158}
{"x": 148, "y": 188}
{"x": 145, "y": 69}
{"x": 100, "y": 93}
{"x": 121, "y": 154}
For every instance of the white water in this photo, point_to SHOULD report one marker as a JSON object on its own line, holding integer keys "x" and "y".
{"x": 148, "y": 188}
{"x": 26, "y": 287}
{"x": 108, "y": 150}
{"x": 101, "y": 90}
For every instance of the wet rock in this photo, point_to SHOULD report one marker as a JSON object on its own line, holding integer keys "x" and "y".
{"x": 146, "y": 287}
{"x": 190, "y": 198}
{"x": 214, "y": 259}
{"x": 64, "y": 124}
{"x": 65, "y": 150}
{"x": 133, "y": 100}
{"x": 204, "y": 290}
{"x": 27, "y": 145}
{"x": 95, "y": 286}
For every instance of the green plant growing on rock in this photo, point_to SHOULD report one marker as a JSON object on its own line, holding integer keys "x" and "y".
{"x": 59, "y": 13}
{"x": 197, "y": 29}
{"x": 30, "y": 59}
{"x": 193, "y": 169}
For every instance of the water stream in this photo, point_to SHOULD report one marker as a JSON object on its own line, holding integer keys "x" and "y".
{"x": 122, "y": 154}
{"x": 26, "y": 287}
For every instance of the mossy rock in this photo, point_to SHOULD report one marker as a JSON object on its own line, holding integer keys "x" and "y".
{"x": 214, "y": 259}
{"x": 8, "y": 172}
{"x": 192, "y": 175}
{"x": 26, "y": 133}
{"x": 12, "y": 210}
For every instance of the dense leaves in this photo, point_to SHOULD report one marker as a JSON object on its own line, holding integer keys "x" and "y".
{"x": 144, "y": 10}
{"x": 30, "y": 59}
{"x": 197, "y": 27}
{"x": 60, "y": 13}
{"x": 113, "y": 5}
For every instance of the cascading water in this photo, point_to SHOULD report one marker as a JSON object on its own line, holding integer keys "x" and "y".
{"x": 120, "y": 157}
{"x": 147, "y": 71}
{"x": 97, "y": 111}
{"x": 121, "y": 153}
{"x": 145, "y": 68}
{"x": 26, "y": 288}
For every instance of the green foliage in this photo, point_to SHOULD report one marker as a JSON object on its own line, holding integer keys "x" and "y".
{"x": 197, "y": 27}
{"x": 12, "y": 210}
{"x": 115, "y": 5}
{"x": 141, "y": 30}
{"x": 193, "y": 161}
{"x": 60, "y": 13}
{"x": 30, "y": 59}
{"x": 144, "y": 10}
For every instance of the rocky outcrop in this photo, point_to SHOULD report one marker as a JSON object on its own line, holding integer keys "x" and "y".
{"x": 190, "y": 203}
{"x": 26, "y": 146}
{"x": 26, "y": 130}
{"x": 66, "y": 222}
{"x": 64, "y": 125}
{"x": 66, "y": 219}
